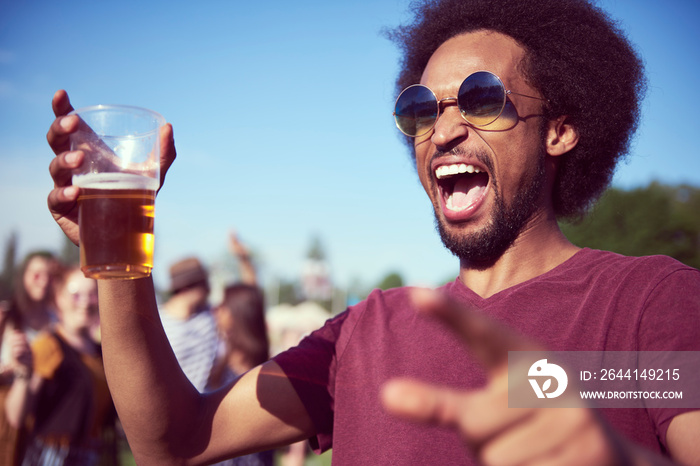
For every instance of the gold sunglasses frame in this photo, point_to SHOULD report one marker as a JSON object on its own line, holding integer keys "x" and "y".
{"x": 439, "y": 102}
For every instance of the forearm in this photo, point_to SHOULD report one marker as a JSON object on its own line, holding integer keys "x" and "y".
{"x": 245, "y": 263}
{"x": 19, "y": 401}
{"x": 247, "y": 271}
{"x": 166, "y": 420}
{"x": 156, "y": 403}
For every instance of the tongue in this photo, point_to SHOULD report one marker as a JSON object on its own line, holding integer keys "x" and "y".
{"x": 467, "y": 190}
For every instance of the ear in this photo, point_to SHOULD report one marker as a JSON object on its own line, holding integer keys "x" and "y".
{"x": 562, "y": 136}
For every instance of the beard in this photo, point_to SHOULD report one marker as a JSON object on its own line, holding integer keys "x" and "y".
{"x": 483, "y": 248}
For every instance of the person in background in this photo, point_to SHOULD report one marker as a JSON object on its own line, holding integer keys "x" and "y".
{"x": 63, "y": 397}
{"x": 31, "y": 307}
{"x": 29, "y": 312}
{"x": 240, "y": 321}
{"x": 241, "y": 324}
{"x": 188, "y": 321}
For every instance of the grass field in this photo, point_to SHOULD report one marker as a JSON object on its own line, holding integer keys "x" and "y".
{"x": 126, "y": 458}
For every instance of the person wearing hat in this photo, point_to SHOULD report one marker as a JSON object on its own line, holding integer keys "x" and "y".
{"x": 188, "y": 321}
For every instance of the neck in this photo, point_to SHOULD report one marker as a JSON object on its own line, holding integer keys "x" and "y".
{"x": 78, "y": 339}
{"x": 539, "y": 248}
{"x": 36, "y": 316}
{"x": 181, "y": 307}
{"x": 238, "y": 362}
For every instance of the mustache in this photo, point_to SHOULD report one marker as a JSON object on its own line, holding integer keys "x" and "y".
{"x": 480, "y": 155}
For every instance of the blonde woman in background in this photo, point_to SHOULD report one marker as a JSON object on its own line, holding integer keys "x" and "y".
{"x": 240, "y": 321}
{"x": 29, "y": 312}
{"x": 65, "y": 400}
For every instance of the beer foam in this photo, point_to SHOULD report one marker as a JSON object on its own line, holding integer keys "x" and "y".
{"x": 115, "y": 181}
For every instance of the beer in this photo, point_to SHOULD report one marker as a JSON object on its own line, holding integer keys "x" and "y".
{"x": 116, "y": 224}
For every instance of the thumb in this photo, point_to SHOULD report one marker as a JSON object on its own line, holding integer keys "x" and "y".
{"x": 167, "y": 151}
{"x": 418, "y": 401}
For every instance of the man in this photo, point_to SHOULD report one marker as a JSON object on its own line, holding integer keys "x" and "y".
{"x": 188, "y": 321}
{"x": 524, "y": 110}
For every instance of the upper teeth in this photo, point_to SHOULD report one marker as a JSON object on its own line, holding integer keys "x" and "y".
{"x": 455, "y": 169}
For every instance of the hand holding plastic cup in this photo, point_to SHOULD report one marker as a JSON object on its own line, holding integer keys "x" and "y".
{"x": 118, "y": 179}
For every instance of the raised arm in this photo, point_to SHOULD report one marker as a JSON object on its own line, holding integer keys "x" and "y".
{"x": 166, "y": 420}
{"x": 25, "y": 385}
{"x": 245, "y": 263}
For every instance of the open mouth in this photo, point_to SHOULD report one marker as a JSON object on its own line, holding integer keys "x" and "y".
{"x": 461, "y": 185}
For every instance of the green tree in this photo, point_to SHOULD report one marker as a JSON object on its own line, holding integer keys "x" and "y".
{"x": 289, "y": 293}
{"x": 391, "y": 280}
{"x": 656, "y": 219}
{"x": 70, "y": 253}
{"x": 316, "y": 250}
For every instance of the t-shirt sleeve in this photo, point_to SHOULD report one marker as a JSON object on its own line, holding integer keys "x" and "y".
{"x": 671, "y": 322}
{"x": 311, "y": 368}
{"x": 47, "y": 355}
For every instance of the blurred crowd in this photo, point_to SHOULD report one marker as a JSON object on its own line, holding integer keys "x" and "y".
{"x": 55, "y": 405}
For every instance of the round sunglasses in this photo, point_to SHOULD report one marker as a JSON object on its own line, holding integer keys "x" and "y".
{"x": 481, "y": 100}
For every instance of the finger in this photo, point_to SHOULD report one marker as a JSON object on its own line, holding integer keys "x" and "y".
{"x": 59, "y": 133}
{"x": 590, "y": 446}
{"x": 167, "y": 153}
{"x": 421, "y": 402}
{"x": 479, "y": 415}
{"x": 62, "y": 166}
{"x": 63, "y": 205}
{"x": 63, "y": 201}
{"x": 489, "y": 341}
{"x": 61, "y": 103}
{"x": 534, "y": 439}
{"x": 235, "y": 244}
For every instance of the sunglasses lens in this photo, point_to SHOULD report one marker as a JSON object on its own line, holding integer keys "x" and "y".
{"x": 416, "y": 110}
{"x": 481, "y": 98}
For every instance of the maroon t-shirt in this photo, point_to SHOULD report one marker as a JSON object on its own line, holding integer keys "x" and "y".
{"x": 595, "y": 301}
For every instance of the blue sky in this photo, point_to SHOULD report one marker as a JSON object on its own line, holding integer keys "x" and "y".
{"x": 282, "y": 118}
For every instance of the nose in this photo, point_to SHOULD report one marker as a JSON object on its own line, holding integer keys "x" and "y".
{"x": 40, "y": 278}
{"x": 450, "y": 128}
